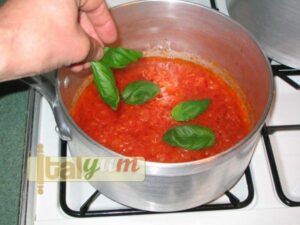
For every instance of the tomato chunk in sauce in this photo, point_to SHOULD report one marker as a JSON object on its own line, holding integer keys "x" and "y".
{"x": 137, "y": 130}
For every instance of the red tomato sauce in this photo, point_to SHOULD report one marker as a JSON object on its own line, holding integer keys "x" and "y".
{"x": 137, "y": 130}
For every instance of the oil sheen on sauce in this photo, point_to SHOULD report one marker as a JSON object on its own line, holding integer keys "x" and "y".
{"x": 137, "y": 130}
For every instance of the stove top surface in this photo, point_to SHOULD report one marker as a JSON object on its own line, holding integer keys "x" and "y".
{"x": 269, "y": 192}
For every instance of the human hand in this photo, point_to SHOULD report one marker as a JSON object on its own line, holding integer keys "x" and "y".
{"x": 39, "y": 36}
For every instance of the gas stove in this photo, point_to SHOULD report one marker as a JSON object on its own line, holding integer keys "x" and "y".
{"x": 268, "y": 192}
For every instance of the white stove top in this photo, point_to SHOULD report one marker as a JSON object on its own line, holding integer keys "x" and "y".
{"x": 265, "y": 208}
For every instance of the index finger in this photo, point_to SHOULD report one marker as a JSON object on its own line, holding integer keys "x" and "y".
{"x": 101, "y": 19}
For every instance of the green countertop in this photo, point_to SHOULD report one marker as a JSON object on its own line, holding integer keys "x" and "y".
{"x": 13, "y": 111}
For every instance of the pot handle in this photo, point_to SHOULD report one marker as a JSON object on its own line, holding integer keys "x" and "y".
{"x": 46, "y": 85}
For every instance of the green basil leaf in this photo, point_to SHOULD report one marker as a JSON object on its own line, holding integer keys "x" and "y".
{"x": 139, "y": 92}
{"x": 188, "y": 110}
{"x": 191, "y": 137}
{"x": 106, "y": 84}
{"x": 120, "y": 57}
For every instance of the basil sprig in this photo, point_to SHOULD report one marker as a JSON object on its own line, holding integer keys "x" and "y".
{"x": 106, "y": 84}
{"x": 118, "y": 58}
{"x": 191, "y": 137}
{"x": 103, "y": 75}
{"x": 189, "y": 110}
{"x": 139, "y": 92}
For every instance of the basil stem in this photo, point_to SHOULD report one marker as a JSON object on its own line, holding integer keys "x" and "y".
{"x": 189, "y": 110}
{"x": 190, "y": 137}
{"x": 139, "y": 92}
{"x": 106, "y": 84}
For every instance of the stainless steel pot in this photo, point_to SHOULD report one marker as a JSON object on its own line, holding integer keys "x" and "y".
{"x": 274, "y": 23}
{"x": 197, "y": 30}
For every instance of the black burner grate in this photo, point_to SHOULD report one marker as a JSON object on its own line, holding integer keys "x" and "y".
{"x": 214, "y": 5}
{"x": 266, "y": 132}
{"x": 285, "y": 73}
{"x": 84, "y": 211}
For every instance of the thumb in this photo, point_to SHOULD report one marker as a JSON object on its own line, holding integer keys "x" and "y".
{"x": 94, "y": 50}
{"x": 87, "y": 49}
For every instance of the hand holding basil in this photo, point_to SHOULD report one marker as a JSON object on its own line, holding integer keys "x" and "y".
{"x": 103, "y": 76}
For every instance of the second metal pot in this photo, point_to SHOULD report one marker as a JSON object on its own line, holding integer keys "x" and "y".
{"x": 274, "y": 23}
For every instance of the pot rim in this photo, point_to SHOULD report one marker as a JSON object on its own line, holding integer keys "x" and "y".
{"x": 203, "y": 161}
